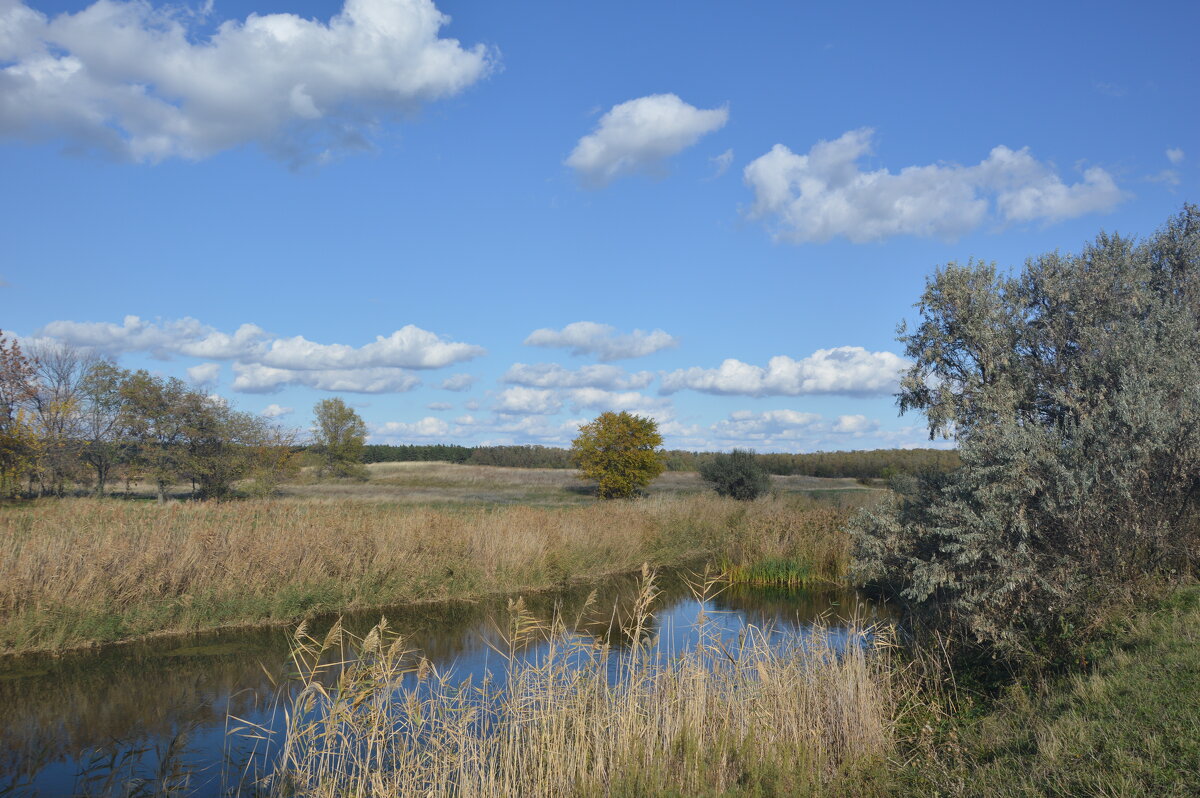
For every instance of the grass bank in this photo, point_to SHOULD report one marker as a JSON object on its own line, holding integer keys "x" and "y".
{"x": 81, "y": 571}
{"x": 1126, "y": 724}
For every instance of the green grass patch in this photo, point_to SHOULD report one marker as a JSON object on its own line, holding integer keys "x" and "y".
{"x": 1127, "y": 724}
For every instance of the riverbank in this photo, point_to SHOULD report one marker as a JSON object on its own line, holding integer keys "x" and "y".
{"x": 1126, "y": 722}
{"x": 80, "y": 572}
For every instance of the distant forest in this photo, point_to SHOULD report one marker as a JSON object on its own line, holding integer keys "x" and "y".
{"x": 872, "y": 464}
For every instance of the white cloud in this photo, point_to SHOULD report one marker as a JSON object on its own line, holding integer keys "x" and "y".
{"x": 616, "y": 401}
{"x": 276, "y": 411}
{"x": 408, "y": 347}
{"x": 186, "y": 336}
{"x": 824, "y": 194}
{"x": 264, "y": 362}
{"x": 602, "y": 340}
{"x": 855, "y": 425}
{"x": 457, "y": 382}
{"x": 143, "y": 84}
{"x": 638, "y": 135}
{"x": 848, "y": 370}
{"x": 471, "y": 405}
{"x": 428, "y": 427}
{"x": 552, "y": 375}
{"x": 721, "y": 163}
{"x": 521, "y": 401}
{"x": 256, "y": 378}
{"x": 205, "y": 373}
{"x": 440, "y": 406}
{"x": 1175, "y": 155}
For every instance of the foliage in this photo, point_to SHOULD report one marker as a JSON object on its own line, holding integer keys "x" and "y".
{"x": 737, "y": 475}
{"x": 18, "y": 442}
{"x": 618, "y": 451}
{"x": 339, "y": 435}
{"x": 1073, "y": 389}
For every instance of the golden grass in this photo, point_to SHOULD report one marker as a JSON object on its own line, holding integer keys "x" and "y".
{"x": 755, "y": 718}
{"x": 76, "y": 571}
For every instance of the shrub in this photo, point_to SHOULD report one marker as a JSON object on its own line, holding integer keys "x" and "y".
{"x": 737, "y": 475}
{"x": 1072, "y": 391}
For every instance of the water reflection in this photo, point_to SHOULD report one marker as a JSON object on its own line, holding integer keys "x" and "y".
{"x": 153, "y": 716}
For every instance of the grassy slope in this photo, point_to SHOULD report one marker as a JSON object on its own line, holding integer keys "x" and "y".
{"x": 1129, "y": 725}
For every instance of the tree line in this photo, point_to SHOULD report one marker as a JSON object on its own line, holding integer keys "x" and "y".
{"x": 872, "y": 464}
{"x": 70, "y": 418}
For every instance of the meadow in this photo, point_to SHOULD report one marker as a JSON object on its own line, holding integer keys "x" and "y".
{"x": 79, "y": 571}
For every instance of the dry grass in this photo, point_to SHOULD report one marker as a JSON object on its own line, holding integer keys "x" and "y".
{"x": 77, "y": 571}
{"x": 757, "y": 718}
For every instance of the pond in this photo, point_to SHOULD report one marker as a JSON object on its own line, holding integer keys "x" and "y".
{"x": 146, "y": 717}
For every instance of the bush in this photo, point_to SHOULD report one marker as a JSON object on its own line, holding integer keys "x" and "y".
{"x": 737, "y": 475}
{"x": 1072, "y": 391}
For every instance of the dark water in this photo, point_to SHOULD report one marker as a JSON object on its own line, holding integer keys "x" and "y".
{"x": 152, "y": 717}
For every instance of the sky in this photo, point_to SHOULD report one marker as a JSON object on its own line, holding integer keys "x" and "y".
{"x": 488, "y": 222}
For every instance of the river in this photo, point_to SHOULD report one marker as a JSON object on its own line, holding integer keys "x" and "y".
{"x": 152, "y": 717}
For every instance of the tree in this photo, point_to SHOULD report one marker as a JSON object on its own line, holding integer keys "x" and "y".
{"x": 57, "y": 404}
{"x": 155, "y": 419}
{"x": 339, "y": 435}
{"x": 101, "y": 407}
{"x": 1072, "y": 391}
{"x": 619, "y": 452}
{"x": 18, "y": 444}
{"x": 737, "y": 475}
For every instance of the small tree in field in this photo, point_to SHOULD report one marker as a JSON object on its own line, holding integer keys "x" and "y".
{"x": 737, "y": 475}
{"x": 619, "y": 452}
{"x": 340, "y": 435}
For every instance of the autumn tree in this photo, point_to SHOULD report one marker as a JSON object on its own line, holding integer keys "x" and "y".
{"x": 619, "y": 451}
{"x": 57, "y": 405}
{"x": 100, "y": 415}
{"x": 155, "y": 419}
{"x": 18, "y": 443}
{"x": 339, "y": 435}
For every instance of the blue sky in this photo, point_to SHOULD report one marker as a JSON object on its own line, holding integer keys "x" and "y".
{"x": 712, "y": 213}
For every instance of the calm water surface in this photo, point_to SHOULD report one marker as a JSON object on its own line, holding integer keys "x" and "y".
{"x": 145, "y": 717}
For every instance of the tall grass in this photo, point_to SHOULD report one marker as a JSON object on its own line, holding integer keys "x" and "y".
{"x": 77, "y": 571}
{"x": 752, "y": 718}
{"x": 779, "y": 547}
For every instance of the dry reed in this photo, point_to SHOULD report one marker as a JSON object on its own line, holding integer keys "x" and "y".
{"x": 796, "y": 718}
{"x": 79, "y": 570}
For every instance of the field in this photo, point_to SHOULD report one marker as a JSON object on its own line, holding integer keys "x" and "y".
{"x": 83, "y": 571}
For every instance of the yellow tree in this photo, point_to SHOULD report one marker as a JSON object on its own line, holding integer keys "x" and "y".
{"x": 620, "y": 452}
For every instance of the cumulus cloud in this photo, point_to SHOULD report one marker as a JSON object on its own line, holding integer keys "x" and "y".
{"x": 428, "y": 427}
{"x": 276, "y": 411}
{"x": 457, "y": 382}
{"x": 855, "y": 425}
{"x": 602, "y": 340}
{"x": 638, "y": 135}
{"x": 408, "y": 347}
{"x": 256, "y": 378}
{"x": 850, "y": 370}
{"x": 824, "y": 193}
{"x": 144, "y": 84}
{"x": 552, "y": 375}
{"x": 1175, "y": 155}
{"x": 205, "y": 373}
{"x": 616, "y": 401}
{"x": 521, "y": 401}
{"x": 185, "y": 336}
{"x": 440, "y": 406}
{"x": 264, "y": 363}
{"x": 787, "y": 430}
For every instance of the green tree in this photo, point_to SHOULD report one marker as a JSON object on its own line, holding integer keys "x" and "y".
{"x": 18, "y": 443}
{"x": 155, "y": 418}
{"x": 339, "y": 435}
{"x": 1071, "y": 388}
{"x": 620, "y": 452}
{"x": 737, "y": 474}
{"x": 100, "y": 432}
